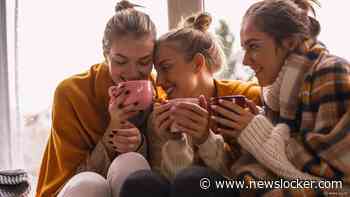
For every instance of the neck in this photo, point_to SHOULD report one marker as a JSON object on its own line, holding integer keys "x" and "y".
{"x": 206, "y": 87}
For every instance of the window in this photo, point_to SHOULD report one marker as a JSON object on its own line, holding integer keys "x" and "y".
{"x": 57, "y": 39}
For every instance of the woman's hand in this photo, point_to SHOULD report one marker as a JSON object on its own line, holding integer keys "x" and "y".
{"x": 191, "y": 119}
{"x": 118, "y": 112}
{"x": 126, "y": 139}
{"x": 233, "y": 117}
{"x": 161, "y": 119}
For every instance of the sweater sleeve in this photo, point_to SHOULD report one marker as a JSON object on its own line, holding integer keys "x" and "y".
{"x": 215, "y": 154}
{"x": 267, "y": 144}
{"x": 177, "y": 154}
{"x": 101, "y": 158}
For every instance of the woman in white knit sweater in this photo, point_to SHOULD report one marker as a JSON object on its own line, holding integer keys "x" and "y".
{"x": 306, "y": 94}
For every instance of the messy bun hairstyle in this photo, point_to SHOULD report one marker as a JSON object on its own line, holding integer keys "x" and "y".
{"x": 127, "y": 21}
{"x": 285, "y": 19}
{"x": 191, "y": 37}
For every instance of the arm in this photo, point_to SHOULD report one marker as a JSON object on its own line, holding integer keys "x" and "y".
{"x": 328, "y": 156}
{"x": 169, "y": 152}
{"x": 67, "y": 145}
{"x": 218, "y": 154}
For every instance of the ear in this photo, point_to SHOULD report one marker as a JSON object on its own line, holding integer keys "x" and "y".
{"x": 198, "y": 62}
{"x": 290, "y": 44}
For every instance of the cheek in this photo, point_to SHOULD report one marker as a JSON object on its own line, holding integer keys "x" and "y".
{"x": 115, "y": 71}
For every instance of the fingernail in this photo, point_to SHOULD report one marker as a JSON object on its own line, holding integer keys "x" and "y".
{"x": 213, "y": 117}
{"x": 220, "y": 101}
{"x": 233, "y": 100}
{"x": 214, "y": 106}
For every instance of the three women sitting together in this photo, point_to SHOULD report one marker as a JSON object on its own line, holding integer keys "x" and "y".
{"x": 111, "y": 137}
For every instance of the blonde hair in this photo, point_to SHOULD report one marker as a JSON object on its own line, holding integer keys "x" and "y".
{"x": 286, "y": 19}
{"x": 127, "y": 21}
{"x": 192, "y": 37}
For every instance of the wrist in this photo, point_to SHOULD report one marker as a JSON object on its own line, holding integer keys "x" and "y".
{"x": 199, "y": 141}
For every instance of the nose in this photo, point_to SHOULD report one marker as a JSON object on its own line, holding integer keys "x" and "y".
{"x": 247, "y": 60}
{"x": 133, "y": 73}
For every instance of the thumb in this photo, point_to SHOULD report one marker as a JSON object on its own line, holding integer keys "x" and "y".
{"x": 203, "y": 102}
{"x": 252, "y": 106}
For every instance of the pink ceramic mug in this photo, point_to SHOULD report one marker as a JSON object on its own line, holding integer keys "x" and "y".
{"x": 174, "y": 102}
{"x": 140, "y": 91}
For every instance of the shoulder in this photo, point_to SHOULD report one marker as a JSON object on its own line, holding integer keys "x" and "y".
{"x": 236, "y": 87}
{"x": 77, "y": 83}
{"x": 328, "y": 64}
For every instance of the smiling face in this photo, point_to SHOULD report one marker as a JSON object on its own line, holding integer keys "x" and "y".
{"x": 175, "y": 74}
{"x": 262, "y": 53}
{"x": 130, "y": 58}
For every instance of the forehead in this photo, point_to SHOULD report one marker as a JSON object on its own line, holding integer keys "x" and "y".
{"x": 131, "y": 46}
{"x": 167, "y": 49}
{"x": 250, "y": 32}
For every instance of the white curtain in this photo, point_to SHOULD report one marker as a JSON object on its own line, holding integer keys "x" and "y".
{"x": 5, "y": 133}
{"x": 10, "y": 154}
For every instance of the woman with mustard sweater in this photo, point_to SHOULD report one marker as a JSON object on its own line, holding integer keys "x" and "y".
{"x": 185, "y": 60}
{"x": 83, "y": 156}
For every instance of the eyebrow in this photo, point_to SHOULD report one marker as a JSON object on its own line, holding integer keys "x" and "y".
{"x": 124, "y": 57}
{"x": 163, "y": 61}
{"x": 250, "y": 41}
{"x": 146, "y": 57}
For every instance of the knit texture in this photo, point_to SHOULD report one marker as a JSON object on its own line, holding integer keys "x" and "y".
{"x": 267, "y": 144}
{"x": 177, "y": 155}
{"x": 14, "y": 183}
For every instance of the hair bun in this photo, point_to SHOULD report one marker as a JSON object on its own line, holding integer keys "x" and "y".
{"x": 124, "y": 5}
{"x": 202, "y": 22}
{"x": 306, "y": 5}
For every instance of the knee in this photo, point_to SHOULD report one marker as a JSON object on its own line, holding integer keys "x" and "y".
{"x": 145, "y": 183}
{"x": 129, "y": 161}
{"x": 125, "y": 164}
{"x": 122, "y": 167}
{"x": 87, "y": 184}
